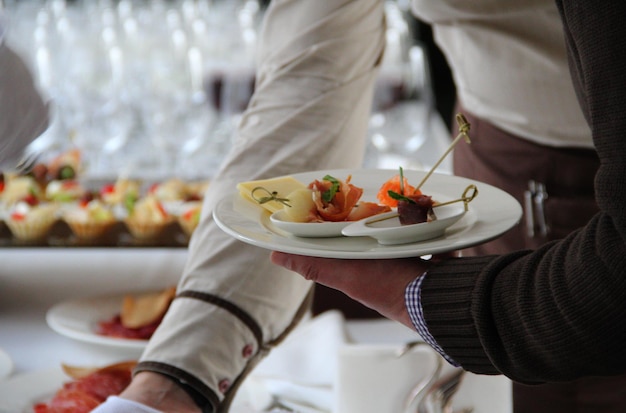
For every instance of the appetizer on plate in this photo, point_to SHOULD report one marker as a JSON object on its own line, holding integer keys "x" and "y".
{"x": 65, "y": 190}
{"x": 326, "y": 200}
{"x": 92, "y": 212}
{"x": 29, "y": 220}
{"x": 88, "y": 388}
{"x": 296, "y": 207}
{"x": 90, "y": 219}
{"x": 414, "y": 218}
{"x": 331, "y": 207}
{"x": 320, "y": 209}
{"x": 147, "y": 218}
{"x": 139, "y": 315}
{"x": 121, "y": 192}
{"x": 189, "y": 218}
{"x": 413, "y": 207}
{"x": 19, "y": 187}
{"x": 388, "y": 229}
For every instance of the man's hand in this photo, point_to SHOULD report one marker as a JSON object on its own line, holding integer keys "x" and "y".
{"x": 378, "y": 284}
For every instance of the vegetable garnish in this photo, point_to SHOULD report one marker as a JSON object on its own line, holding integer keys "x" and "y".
{"x": 466, "y": 198}
{"x": 272, "y": 196}
{"x": 130, "y": 200}
{"x": 400, "y": 196}
{"x": 328, "y": 195}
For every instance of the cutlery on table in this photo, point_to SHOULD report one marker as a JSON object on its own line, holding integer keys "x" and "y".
{"x": 438, "y": 397}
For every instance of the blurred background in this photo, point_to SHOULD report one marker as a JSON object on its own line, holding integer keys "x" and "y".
{"x": 154, "y": 88}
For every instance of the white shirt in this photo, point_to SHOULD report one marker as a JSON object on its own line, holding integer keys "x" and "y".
{"x": 522, "y": 85}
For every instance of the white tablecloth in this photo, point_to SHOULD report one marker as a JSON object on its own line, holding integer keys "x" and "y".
{"x": 33, "y": 280}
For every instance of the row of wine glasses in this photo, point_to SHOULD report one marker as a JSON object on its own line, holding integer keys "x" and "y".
{"x": 156, "y": 87}
{"x": 136, "y": 83}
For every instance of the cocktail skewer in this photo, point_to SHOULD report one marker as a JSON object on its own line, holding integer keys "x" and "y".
{"x": 464, "y": 127}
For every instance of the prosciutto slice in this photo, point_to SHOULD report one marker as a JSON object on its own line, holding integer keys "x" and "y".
{"x": 339, "y": 207}
{"x": 85, "y": 393}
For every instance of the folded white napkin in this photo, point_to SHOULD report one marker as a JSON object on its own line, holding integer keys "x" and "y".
{"x": 302, "y": 369}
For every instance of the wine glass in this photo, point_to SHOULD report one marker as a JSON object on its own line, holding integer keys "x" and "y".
{"x": 177, "y": 113}
{"x": 400, "y": 120}
{"x": 101, "y": 129}
{"x": 97, "y": 106}
{"x": 177, "y": 127}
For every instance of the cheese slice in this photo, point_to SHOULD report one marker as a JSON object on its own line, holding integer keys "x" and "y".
{"x": 283, "y": 186}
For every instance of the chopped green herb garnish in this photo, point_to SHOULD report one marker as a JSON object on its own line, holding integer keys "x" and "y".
{"x": 328, "y": 195}
{"x": 400, "y": 197}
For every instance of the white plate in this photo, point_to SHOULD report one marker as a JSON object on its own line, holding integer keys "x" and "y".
{"x": 388, "y": 230}
{"x": 78, "y": 319}
{"x": 490, "y": 214}
{"x": 20, "y": 393}
{"x": 308, "y": 229}
{"x": 6, "y": 364}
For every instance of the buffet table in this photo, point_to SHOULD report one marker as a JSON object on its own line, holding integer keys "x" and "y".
{"x": 29, "y": 289}
{"x": 34, "y": 280}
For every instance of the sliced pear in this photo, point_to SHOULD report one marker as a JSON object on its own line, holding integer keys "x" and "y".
{"x": 302, "y": 204}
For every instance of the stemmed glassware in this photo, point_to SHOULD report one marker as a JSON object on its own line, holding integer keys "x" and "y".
{"x": 159, "y": 86}
{"x": 400, "y": 120}
{"x": 177, "y": 125}
{"x": 176, "y": 113}
{"x": 98, "y": 109}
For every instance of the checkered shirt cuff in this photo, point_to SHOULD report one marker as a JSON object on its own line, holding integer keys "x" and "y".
{"x": 414, "y": 307}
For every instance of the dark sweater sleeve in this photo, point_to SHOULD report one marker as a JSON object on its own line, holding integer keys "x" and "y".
{"x": 557, "y": 313}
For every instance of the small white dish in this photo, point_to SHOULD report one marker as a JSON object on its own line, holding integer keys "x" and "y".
{"x": 308, "y": 229}
{"x": 387, "y": 230}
